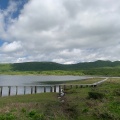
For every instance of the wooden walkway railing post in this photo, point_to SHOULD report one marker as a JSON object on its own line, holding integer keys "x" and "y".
{"x": 50, "y": 88}
{"x": 1, "y": 91}
{"x": 24, "y": 90}
{"x": 54, "y": 88}
{"x": 16, "y": 90}
{"x": 59, "y": 89}
{"x": 35, "y": 89}
{"x": 31, "y": 89}
{"x": 9, "y": 91}
{"x": 44, "y": 89}
{"x": 64, "y": 87}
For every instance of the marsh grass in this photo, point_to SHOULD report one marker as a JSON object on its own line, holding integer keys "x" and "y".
{"x": 85, "y": 81}
{"x": 102, "y": 102}
{"x": 77, "y": 105}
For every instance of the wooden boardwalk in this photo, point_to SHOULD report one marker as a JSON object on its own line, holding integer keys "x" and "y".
{"x": 33, "y": 89}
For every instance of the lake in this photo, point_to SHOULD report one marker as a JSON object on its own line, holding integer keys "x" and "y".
{"x": 28, "y": 80}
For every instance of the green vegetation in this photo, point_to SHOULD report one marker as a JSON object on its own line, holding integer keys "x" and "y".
{"x": 95, "y": 95}
{"x": 86, "y": 81}
{"x": 29, "y": 107}
{"x": 107, "y": 68}
{"x": 93, "y": 103}
{"x": 102, "y": 102}
{"x": 113, "y": 71}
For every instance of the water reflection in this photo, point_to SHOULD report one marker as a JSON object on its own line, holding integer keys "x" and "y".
{"x": 28, "y": 81}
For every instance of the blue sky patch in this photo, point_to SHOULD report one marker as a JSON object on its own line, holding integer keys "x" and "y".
{"x": 20, "y": 4}
{"x": 4, "y": 4}
{"x": 19, "y": 8}
{"x": 1, "y": 42}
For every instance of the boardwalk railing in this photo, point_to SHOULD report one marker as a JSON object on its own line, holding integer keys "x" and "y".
{"x": 33, "y": 89}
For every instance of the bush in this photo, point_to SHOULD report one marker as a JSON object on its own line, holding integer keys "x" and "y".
{"x": 71, "y": 109}
{"x": 71, "y": 91}
{"x": 32, "y": 113}
{"x": 23, "y": 110}
{"x": 95, "y": 95}
{"x": 39, "y": 117}
{"x": 36, "y": 116}
{"x": 7, "y": 116}
{"x": 105, "y": 115}
{"x": 117, "y": 92}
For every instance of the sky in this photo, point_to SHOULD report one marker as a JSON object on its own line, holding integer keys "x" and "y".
{"x": 62, "y": 31}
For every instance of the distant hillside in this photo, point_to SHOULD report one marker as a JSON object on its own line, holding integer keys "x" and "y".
{"x": 46, "y": 66}
{"x": 96, "y": 64}
{"x": 37, "y": 66}
{"x": 87, "y": 68}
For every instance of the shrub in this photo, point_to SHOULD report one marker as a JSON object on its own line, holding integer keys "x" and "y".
{"x": 32, "y": 113}
{"x": 105, "y": 115}
{"x": 7, "y": 116}
{"x": 85, "y": 110}
{"x": 71, "y": 91}
{"x": 39, "y": 116}
{"x": 117, "y": 92}
{"x": 71, "y": 109}
{"x": 23, "y": 110}
{"x": 36, "y": 116}
{"x": 95, "y": 95}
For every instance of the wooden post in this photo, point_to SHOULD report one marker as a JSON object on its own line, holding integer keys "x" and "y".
{"x": 70, "y": 86}
{"x": 24, "y": 90}
{"x": 64, "y": 87}
{"x": 54, "y": 88}
{"x": 44, "y": 89}
{"x": 31, "y": 90}
{"x": 81, "y": 86}
{"x": 87, "y": 85}
{"x": 1, "y": 91}
{"x": 76, "y": 86}
{"x": 59, "y": 89}
{"x": 16, "y": 90}
{"x": 50, "y": 88}
{"x": 35, "y": 89}
{"x": 9, "y": 90}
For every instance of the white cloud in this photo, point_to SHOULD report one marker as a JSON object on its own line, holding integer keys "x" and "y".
{"x": 11, "y": 47}
{"x": 64, "y": 31}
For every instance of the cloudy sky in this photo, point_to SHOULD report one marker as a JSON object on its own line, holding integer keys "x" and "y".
{"x": 62, "y": 31}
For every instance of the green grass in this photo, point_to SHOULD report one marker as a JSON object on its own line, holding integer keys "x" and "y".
{"x": 52, "y": 72}
{"x": 28, "y": 107}
{"x": 86, "y": 81}
{"x": 88, "y": 103}
{"x": 106, "y": 107}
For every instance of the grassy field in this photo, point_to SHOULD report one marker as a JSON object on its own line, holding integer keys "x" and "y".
{"x": 29, "y": 107}
{"x": 85, "y": 81}
{"x": 102, "y": 102}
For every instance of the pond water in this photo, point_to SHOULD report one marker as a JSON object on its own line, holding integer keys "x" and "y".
{"x": 17, "y": 80}
{"x": 28, "y": 80}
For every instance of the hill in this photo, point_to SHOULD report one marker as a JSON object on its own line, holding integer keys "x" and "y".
{"x": 45, "y": 66}
{"x": 88, "y": 68}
